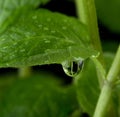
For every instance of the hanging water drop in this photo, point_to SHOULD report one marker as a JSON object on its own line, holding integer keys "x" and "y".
{"x": 72, "y": 68}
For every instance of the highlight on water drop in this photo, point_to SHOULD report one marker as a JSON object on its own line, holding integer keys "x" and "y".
{"x": 73, "y": 67}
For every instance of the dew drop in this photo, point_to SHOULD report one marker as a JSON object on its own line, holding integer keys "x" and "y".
{"x": 72, "y": 68}
{"x": 14, "y": 44}
{"x": 12, "y": 56}
{"x": 40, "y": 25}
{"x": 45, "y": 28}
{"x": 22, "y": 50}
{"x": 64, "y": 28}
{"x": 7, "y": 64}
{"x": 34, "y": 17}
{"x": 65, "y": 21}
{"x": 48, "y": 19}
{"x": 46, "y": 40}
{"x": 52, "y": 31}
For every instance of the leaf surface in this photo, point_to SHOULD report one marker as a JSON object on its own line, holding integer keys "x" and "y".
{"x": 43, "y": 37}
{"x": 11, "y": 9}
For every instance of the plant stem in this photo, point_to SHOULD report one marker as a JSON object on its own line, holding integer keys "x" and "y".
{"x": 87, "y": 14}
{"x": 106, "y": 92}
{"x": 24, "y": 72}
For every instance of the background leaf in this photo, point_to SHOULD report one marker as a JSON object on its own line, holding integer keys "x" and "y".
{"x": 108, "y": 13}
{"x": 88, "y": 87}
{"x": 11, "y": 9}
{"x": 43, "y": 37}
{"x": 38, "y": 96}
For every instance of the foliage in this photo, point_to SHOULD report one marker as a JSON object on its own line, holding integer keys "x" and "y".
{"x": 31, "y": 36}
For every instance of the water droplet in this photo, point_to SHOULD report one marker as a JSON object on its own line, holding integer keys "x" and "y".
{"x": 52, "y": 31}
{"x": 12, "y": 56}
{"x": 5, "y": 47}
{"x": 7, "y": 64}
{"x": 14, "y": 44}
{"x": 3, "y": 39}
{"x": 48, "y": 19}
{"x": 40, "y": 25}
{"x": 34, "y": 17}
{"x": 22, "y": 50}
{"x": 45, "y": 28}
{"x": 65, "y": 20}
{"x": 72, "y": 68}
{"x": 47, "y": 41}
{"x": 64, "y": 28}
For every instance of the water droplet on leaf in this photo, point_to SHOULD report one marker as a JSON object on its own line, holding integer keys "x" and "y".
{"x": 34, "y": 17}
{"x": 49, "y": 19}
{"x": 46, "y": 40}
{"x": 45, "y": 28}
{"x": 52, "y": 31}
{"x": 64, "y": 28}
{"x": 72, "y": 68}
{"x": 40, "y": 25}
{"x": 22, "y": 50}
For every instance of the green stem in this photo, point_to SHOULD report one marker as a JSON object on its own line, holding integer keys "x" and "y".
{"x": 87, "y": 14}
{"x": 106, "y": 92}
{"x": 24, "y": 72}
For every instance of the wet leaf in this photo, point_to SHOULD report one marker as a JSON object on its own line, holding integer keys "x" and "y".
{"x": 11, "y": 9}
{"x": 43, "y": 37}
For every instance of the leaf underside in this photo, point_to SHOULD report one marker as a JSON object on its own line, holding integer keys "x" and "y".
{"x": 43, "y": 37}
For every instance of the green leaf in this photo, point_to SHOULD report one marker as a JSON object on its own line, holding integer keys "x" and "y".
{"x": 43, "y": 37}
{"x": 108, "y": 13}
{"x": 87, "y": 87}
{"x": 11, "y": 9}
{"x": 38, "y": 96}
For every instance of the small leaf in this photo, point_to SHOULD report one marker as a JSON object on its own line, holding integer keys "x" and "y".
{"x": 11, "y": 9}
{"x": 38, "y": 96}
{"x": 43, "y": 37}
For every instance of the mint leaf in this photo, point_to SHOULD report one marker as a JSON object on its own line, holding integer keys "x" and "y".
{"x": 43, "y": 37}
{"x": 87, "y": 87}
{"x": 38, "y": 96}
{"x": 11, "y": 9}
